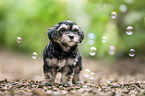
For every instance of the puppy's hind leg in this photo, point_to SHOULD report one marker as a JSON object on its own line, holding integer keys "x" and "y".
{"x": 49, "y": 74}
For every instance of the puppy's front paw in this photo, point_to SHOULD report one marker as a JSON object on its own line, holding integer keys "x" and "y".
{"x": 47, "y": 83}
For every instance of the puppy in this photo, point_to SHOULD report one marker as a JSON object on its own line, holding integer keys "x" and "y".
{"x": 62, "y": 55}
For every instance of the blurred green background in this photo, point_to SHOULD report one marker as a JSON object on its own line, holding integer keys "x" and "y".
{"x": 29, "y": 19}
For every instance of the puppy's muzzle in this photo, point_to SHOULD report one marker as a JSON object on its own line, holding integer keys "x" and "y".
{"x": 71, "y": 36}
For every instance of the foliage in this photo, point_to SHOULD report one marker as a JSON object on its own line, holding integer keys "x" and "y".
{"x": 30, "y": 18}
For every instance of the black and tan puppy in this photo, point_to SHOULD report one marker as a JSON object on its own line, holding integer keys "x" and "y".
{"x": 61, "y": 54}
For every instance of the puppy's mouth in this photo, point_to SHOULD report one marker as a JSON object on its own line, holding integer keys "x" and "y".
{"x": 69, "y": 44}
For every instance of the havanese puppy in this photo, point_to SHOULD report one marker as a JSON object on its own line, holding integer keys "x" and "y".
{"x": 62, "y": 55}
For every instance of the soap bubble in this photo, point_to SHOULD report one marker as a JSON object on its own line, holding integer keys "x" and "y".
{"x": 91, "y": 42}
{"x": 113, "y": 15}
{"x": 129, "y": 30}
{"x": 92, "y": 51}
{"x": 34, "y": 55}
{"x": 92, "y": 35}
{"x": 91, "y": 38}
{"x": 92, "y": 76}
{"x": 19, "y": 39}
{"x": 87, "y": 72}
{"x": 132, "y": 53}
{"x": 112, "y": 50}
{"x": 104, "y": 39}
{"x": 112, "y": 47}
{"x": 123, "y": 8}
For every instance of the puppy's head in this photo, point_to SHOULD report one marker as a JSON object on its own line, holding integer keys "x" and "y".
{"x": 66, "y": 33}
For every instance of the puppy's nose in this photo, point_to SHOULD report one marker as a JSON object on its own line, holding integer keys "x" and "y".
{"x": 71, "y": 37}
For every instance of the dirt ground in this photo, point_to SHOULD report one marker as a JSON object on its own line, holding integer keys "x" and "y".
{"x": 15, "y": 67}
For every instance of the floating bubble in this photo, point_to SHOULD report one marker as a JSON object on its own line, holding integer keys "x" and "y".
{"x": 104, "y": 39}
{"x": 34, "y": 55}
{"x": 113, "y": 15}
{"x": 87, "y": 72}
{"x": 92, "y": 35}
{"x": 91, "y": 42}
{"x": 92, "y": 76}
{"x": 132, "y": 53}
{"x": 112, "y": 50}
{"x": 91, "y": 38}
{"x": 123, "y": 8}
{"x": 92, "y": 51}
{"x": 129, "y": 30}
{"x": 112, "y": 47}
{"x": 19, "y": 39}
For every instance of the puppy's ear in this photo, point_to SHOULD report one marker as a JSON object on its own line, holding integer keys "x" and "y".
{"x": 81, "y": 36}
{"x": 51, "y": 32}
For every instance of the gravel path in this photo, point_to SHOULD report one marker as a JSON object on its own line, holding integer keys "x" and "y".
{"x": 22, "y": 76}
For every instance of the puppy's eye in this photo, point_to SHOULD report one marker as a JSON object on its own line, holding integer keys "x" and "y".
{"x": 62, "y": 28}
{"x": 75, "y": 28}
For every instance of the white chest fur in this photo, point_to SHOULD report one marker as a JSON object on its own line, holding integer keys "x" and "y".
{"x": 61, "y": 63}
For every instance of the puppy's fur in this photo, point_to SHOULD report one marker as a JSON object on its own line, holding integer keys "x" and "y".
{"x": 61, "y": 54}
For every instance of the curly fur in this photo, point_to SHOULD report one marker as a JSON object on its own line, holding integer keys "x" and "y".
{"x": 61, "y": 54}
